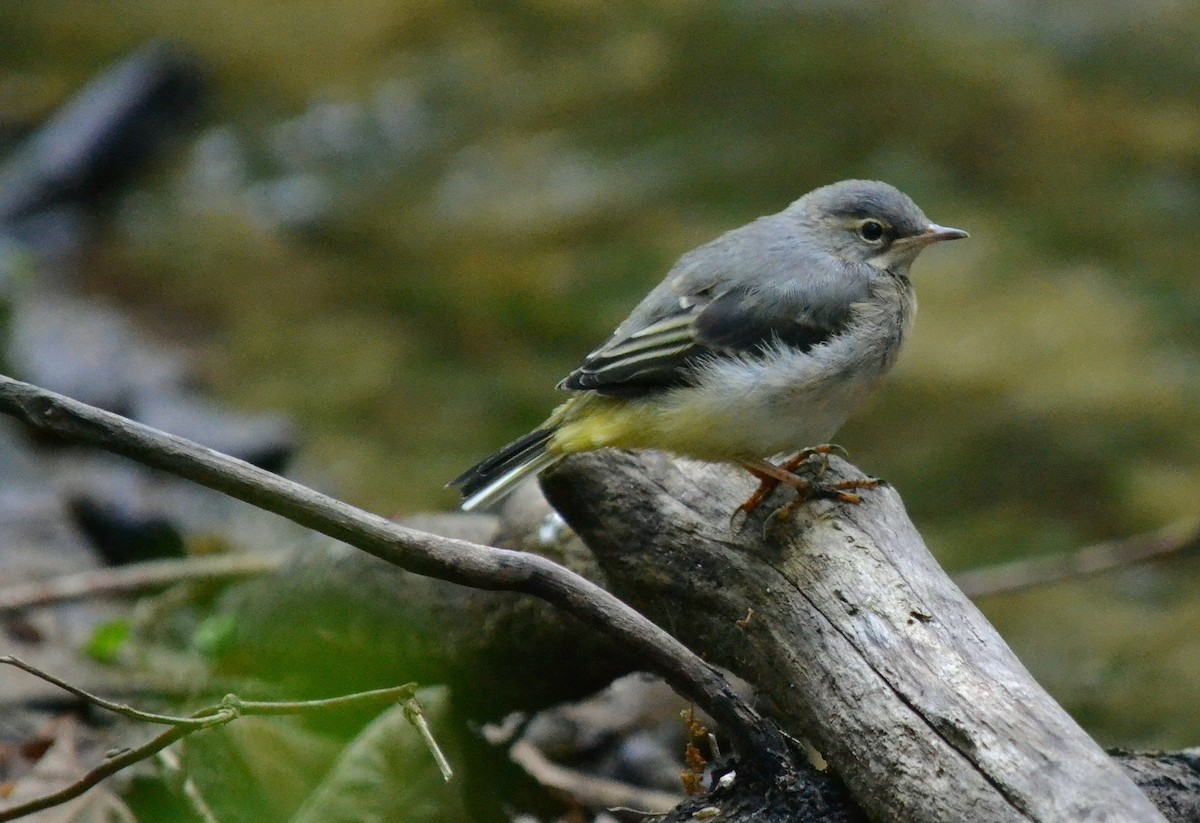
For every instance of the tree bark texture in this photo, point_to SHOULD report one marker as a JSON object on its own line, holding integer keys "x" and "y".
{"x": 854, "y": 635}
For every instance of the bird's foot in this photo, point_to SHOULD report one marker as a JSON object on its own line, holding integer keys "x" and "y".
{"x": 771, "y": 475}
{"x": 841, "y": 490}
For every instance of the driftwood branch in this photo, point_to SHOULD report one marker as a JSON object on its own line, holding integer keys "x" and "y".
{"x": 456, "y": 561}
{"x": 852, "y": 632}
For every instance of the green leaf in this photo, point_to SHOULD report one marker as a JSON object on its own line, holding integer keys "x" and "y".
{"x": 107, "y": 640}
{"x": 386, "y": 773}
{"x": 215, "y": 635}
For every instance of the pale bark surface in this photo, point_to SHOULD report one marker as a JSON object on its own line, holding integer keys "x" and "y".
{"x": 849, "y": 628}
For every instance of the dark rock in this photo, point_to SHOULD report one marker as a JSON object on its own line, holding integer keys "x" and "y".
{"x": 118, "y": 506}
{"x": 129, "y": 512}
{"x": 126, "y": 534}
{"x": 36, "y": 533}
{"x": 91, "y": 352}
{"x": 107, "y": 132}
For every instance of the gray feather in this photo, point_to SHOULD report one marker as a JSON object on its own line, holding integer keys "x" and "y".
{"x": 750, "y": 288}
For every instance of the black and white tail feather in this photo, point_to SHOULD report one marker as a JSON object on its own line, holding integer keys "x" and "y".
{"x": 490, "y": 480}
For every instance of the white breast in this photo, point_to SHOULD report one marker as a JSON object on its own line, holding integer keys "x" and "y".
{"x": 783, "y": 400}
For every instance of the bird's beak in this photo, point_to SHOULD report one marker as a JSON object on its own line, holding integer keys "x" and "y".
{"x": 933, "y": 234}
{"x": 936, "y": 234}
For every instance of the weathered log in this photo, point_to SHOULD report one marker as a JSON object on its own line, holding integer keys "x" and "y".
{"x": 848, "y": 627}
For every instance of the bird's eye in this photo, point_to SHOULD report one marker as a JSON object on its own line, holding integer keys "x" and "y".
{"x": 871, "y": 230}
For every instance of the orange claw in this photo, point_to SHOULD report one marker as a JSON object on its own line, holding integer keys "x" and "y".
{"x": 771, "y": 475}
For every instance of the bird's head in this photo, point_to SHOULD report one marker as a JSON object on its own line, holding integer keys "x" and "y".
{"x": 866, "y": 221}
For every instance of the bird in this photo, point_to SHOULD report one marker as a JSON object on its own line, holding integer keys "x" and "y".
{"x": 757, "y": 344}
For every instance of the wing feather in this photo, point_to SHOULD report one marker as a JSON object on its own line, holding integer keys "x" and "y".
{"x": 665, "y": 353}
{"x": 707, "y": 308}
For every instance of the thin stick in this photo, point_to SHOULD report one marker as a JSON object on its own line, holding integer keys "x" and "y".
{"x": 174, "y": 773}
{"x": 230, "y": 708}
{"x": 1006, "y": 578}
{"x": 116, "y": 708}
{"x": 110, "y": 766}
{"x": 444, "y": 558}
{"x": 393, "y": 694}
{"x": 415, "y": 716}
{"x": 589, "y": 789}
{"x": 136, "y": 577}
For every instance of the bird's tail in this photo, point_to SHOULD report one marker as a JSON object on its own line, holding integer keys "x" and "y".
{"x": 493, "y": 478}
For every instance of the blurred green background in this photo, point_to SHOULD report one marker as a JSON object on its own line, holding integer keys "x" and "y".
{"x": 402, "y": 223}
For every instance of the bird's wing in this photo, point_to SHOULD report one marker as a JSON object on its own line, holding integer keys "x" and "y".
{"x": 663, "y": 353}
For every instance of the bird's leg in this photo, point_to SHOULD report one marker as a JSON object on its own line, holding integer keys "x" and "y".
{"x": 840, "y": 489}
{"x": 804, "y": 455}
{"x": 771, "y": 475}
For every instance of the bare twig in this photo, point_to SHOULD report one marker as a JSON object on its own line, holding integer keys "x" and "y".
{"x": 136, "y": 577}
{"x": 589, "y": 789}
{"x": 1006, "y": 578}
{"x": 415, "y": 716}
{"x": 280, "y": 707}
{"x": 111, "y": 765}
{"x": 116, "y": 708}
{"x": 173, "y": 771}
{"x": 230, "y": 708}
{"x": 454, "y": 560}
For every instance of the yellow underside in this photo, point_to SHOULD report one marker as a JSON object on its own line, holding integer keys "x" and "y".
{"x": 590, "y": 422}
